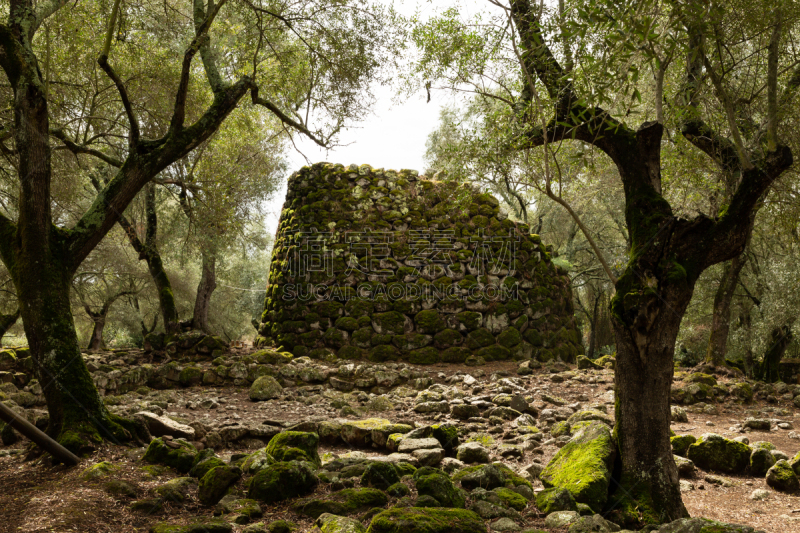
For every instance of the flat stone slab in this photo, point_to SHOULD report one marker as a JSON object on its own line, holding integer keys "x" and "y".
{"x": 161, "y": 425}
{"x": 409, "y": 445}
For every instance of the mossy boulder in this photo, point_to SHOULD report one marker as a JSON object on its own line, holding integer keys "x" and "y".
{"x": 204, "y": 462}
{"x": 344, "y": 502}
{"x": 761, "y": 460}
{"x": 781, "y": 477}
{"x": 681, "y": 443}
{"x": 330, "y": 523}
{"x": 489, "y": 477}
{"x": 447, "y": 435}
{"x": 98, "y": 470}
{"x": 715, "y": 452}
{"x": 190, "y": 376}
{"x": 281, "y": 481}
{"x": 427, "y": 520}
{"x": 363, "y": 433}
{"x": 511, "y": 498}
{"x": 380, "y": 474}
{"x": 294, "y": 446}
{"x": 439, "y": 486}
{"x": 258, "y": 460}
{"x": 265, "y": 388}
{"x": 176, "y": 490}
{"x": 216, "y": 482}
{"x": 178, "y": 454}
{"x": 583, "y": 466}
{"x": 742, "y": 391}
{"x": 555, "y": 499}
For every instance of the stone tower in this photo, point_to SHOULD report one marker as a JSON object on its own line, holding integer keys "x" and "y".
{"x": 389, "y": 265}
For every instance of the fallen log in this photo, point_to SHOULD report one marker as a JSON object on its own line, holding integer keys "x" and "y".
{"x": 36, "y": 435}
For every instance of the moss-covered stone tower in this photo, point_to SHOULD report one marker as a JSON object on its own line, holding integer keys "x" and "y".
{"x": 386, "y": 265}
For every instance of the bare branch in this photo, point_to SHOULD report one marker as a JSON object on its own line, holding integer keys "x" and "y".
{"x": 83, "y": 149}
{"x": 300, "y": 127}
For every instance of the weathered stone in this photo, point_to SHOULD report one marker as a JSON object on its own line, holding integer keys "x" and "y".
{"x": 265, "y": 388}
{"x": 161, "y": 425}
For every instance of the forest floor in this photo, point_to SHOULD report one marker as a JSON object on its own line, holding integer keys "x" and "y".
{"x": 36, "y": 497}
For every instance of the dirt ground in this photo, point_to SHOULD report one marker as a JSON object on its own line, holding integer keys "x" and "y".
{"x": 37, "y": 498}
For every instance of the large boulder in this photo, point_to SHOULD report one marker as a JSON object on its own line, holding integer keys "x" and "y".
{"x": 178, "y": 454}
{"x": 715, "y": 452}
{"x": 781, "y": 477}
{"x": 265, "y": 388}
{"x": 283, "y": 480}
{"x": 583, "y": 466}
{"x": 427, "y": 520}
{"x": 380, "y": 474}
{"x": 294, "y": 446}
{"x": 438, "y": 486}
{"x": 489, "y": 477}
{"x": 216, "y": 482}
{"x": 555, "y": 499}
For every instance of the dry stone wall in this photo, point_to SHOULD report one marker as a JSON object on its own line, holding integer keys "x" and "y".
{"x": 390, "y": 265}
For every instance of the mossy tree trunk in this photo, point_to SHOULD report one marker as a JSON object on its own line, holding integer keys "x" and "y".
{"x": 667, "y": 255}
{"x": 42, "y": 257}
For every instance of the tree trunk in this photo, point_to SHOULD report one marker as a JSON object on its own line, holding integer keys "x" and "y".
{"x": 6, "y": 321}
{"x": 96, "y": 342}
{"x": 78, "y": 417}
{"x": 721, "y": 317}
{"x": 148, "y": 251}
{"x": 780, "y": 339}
{"x": 208, "y": 282}
{"x": 593, "y": 326}
{"x": 648, "y": 489}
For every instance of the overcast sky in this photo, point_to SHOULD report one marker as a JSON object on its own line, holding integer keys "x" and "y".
{"x": 394, "y": 135}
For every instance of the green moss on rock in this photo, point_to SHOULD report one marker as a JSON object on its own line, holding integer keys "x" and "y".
{"x": 583, "y": 466}
{"x": 427, "y": 520}
{"x": 178, "y": 454}
{"x": 282, "y": 481}
{"x": 715, "y": 452}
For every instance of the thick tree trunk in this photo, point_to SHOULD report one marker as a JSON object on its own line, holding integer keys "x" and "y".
{"x": 721, "y": 317}
{"x": 208, "y": 282}
{"x": 78, "y": 416}
{"x": 648, "y": 489}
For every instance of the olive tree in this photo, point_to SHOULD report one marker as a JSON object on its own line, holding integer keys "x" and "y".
{"x": 572, "y": 74}
{"x": 304, "y": 62}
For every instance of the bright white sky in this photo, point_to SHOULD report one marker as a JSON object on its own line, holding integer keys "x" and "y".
{"x": 394, "y": 135}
